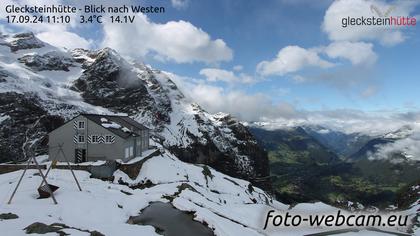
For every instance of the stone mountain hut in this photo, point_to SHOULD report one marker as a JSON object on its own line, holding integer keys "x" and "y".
{"x": 93, "y": 137}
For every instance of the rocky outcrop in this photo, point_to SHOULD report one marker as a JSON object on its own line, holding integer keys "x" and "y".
{"x": 48, "y": 61}
{"x": 3, "y": 75}
{"x": 229, "y": 148}
{"x": 110, "y": 82}
{"x": 25, "y": 41}
{"x": 58, "y": 228}
{"x": 23, "y": 116}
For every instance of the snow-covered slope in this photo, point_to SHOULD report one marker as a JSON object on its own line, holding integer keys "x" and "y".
{"x": 52, "y": 84}
{"x": 221, "y": 201}
{"x": 29, "y": 94}
{"x": 228, "y": 206}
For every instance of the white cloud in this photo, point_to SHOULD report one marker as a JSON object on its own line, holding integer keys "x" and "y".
{"x": 346, "y": 43}
{"x": 178, "y": 41}
{"x": 65, "y": 39}
{"x": 4, "y": 30}
{"x": 180, "y": 4}
{"x": 386, "y": 35}
{"x": 359, "y": 53}
{"x": 259, "y": 107}
{"x": 246, "y": 107}
{"x": 347, "y": 121}
{"x": 408, "y": 146}
{"x": 238, "y": 68}
{"x": 291, "y": 59}
{"x": 294, "y": 58}
{"x": 214, "y": 74}
{"x": 58, "y": 35}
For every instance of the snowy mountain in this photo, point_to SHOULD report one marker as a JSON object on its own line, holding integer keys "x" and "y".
{"x": 42, "y": 83}
{"x": 398, "y": 146}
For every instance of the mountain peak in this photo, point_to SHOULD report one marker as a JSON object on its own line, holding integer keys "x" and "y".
{"x": 109, "y": 53}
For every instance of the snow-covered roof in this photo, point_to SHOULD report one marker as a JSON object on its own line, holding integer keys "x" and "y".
{"x": 122, "y": 126}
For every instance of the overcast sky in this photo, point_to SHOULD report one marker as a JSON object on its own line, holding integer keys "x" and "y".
{"x": 274, "y": 59}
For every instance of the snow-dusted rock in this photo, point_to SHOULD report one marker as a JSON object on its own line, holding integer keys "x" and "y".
{"x": 25, "y": 41}
{"x": 49, "y": 61}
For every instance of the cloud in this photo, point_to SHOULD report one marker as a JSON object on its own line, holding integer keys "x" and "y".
{"x": 259, "y": 108}
{"x": 305, "y": 3}
{"x": 359, "y": 53}
{"x": 238, "y": 68}
{"x": 180, "y": 4}
{"x": 349, "y": 121}
{"x": 283, "y": 115}
{"x": 332, "y": 24}
{"x": 408, "y": 145}
{"x": 353, "y": 82}
{"x": 177, "y": 41}
{"x": 214, "y": 74}
{"x": 246, "y": 107}
{"x": 291, "y": 59}
{"x": 64, "y": 39}
{"x": 294, "y": 58}
{"x": 58, "y": 35}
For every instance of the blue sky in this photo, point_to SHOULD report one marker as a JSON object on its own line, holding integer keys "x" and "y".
{"x": 368, "y": 69}
{"x": 258, "y": 31}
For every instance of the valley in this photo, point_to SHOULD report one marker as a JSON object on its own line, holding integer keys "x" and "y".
{"x": 305, "y": 169}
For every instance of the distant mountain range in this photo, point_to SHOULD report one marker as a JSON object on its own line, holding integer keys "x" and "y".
{"x": 340, "y": 143}
{"x": 315, "y": 163}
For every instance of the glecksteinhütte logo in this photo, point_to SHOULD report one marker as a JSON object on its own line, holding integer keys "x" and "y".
{"x": 381, "y": 17}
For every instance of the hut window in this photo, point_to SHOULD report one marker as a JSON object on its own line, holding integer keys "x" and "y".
{"x": 81, "y": 125}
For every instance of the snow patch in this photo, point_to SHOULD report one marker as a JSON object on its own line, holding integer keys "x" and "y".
{"x": 111, "y": 125}
{"x": 3, "y": 118}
